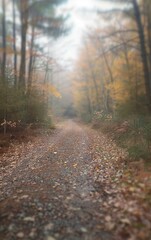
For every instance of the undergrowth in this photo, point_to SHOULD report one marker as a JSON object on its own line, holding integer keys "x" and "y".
{"x": 133, "y": 134}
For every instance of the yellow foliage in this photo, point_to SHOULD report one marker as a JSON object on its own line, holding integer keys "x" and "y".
{"x": 49, "y": 89}
{"x": 102, "y": 78}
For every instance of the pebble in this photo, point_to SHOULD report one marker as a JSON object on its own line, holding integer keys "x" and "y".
{"x": 32, "y": 233}
{"x": 69, "y": 230}
{"x": 49, "y": 226}
{"x": 40, "y": 214}
{"x": 14, "y": 197}
{"x": 40, "y": 209}
{"x": 11, "y": 227}
{"x": 84, "y": 230}
{"x": 19, "y": 191}
{"x": 24, "y": 197}
{"x": 20, "y": 235}
{"x": 29, "y": 219}
{"x": 50, "y": 238}
{"x": 49, "y": 206}
{"x": 2, "y": 228}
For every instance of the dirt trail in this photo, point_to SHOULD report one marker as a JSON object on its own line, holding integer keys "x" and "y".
{"x": 52, "y": 193}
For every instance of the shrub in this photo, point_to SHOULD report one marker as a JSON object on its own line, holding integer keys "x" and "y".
{"x": 138, "y": 151}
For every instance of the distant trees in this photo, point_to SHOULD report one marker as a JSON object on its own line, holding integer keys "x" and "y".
{"x": 120, "y": 58}
{"x": 22, "y": 61}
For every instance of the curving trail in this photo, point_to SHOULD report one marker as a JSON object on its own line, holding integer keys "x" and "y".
{"x": 52, "y": 191}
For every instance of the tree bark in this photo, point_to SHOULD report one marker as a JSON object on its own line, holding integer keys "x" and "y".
{"x": 30, "y": 68}
{"x": 143, "y": 52}
{"x": 24, "y": 27}
{"x": 3, "y": 40}
{"x": 14, "y": 44}
{"x": 147, "y": 10}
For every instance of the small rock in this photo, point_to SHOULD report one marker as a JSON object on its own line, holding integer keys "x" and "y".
{"x": 69, "y": 230}
{"x": 110, "y": 226}
{"x": 24, "y": 197}
{"x": 40, "y": 209}
{"x": 84, "y": 230}
{"x": 49, "y": 206}
{"x": 69, "y": 197}
{"x": 108, "y": 218}
{"x": 125, "y": 221}
{"x": 20, "y": 191}
{"x": 50, "y": 238}
{"x": 57, "y": 235}
{"x": 22, "y": 215}
{"x": 32, "y": 233}
{"x": 29, "y": 219}
{"x": 14, "y": 197}
{"x": 11, "y": 215}
{"x": 49, "y": 226}
{"x": 20, "y": 235}
{"x": 11, "y": 227}
{"x": 2, "y": 228}
{"x": 40, "y": 214}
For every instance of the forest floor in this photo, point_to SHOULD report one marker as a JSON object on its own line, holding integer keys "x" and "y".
{"x": 73, "y": 185}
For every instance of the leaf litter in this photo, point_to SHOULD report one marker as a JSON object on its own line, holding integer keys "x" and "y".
{"x": 75, "y": 179}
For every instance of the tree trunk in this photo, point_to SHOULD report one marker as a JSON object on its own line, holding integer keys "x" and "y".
{"x": 147, "y": 6}
{"x": 93, "y": 78}
{"x": 14, "y": 44}
{"x": 3, "y": 40}
{"x": 24, "y": 27}
{"x": 30, "y": 68}
{"x": 143, "y": 52}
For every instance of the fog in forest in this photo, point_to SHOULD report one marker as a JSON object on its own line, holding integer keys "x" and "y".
{"x": 75, "y": 119}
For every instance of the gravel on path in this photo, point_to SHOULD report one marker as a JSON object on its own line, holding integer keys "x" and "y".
{"x": 55, "y": 189}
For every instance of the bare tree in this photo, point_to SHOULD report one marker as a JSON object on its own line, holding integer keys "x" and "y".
{"x": 14, "y": 43}
{"x": 143, "y": 51}
{"x": 24, "y": 7}
{"x": 3, "y": 40}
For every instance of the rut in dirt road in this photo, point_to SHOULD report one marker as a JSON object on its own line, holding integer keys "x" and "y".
{"x": 53, "y": 195}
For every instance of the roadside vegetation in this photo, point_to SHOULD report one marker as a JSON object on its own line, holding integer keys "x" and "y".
{"x": 26, "y": 69}
{"x": 112, "y": 89}
{"x": 111, "y": 79}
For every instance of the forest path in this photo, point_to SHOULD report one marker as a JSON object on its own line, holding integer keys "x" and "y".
{"x": 55, "y": 191}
